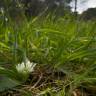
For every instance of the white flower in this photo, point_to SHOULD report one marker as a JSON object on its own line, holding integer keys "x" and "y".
{"x": 26, "y": 67}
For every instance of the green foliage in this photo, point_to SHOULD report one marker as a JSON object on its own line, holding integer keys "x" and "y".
{"x": 64, "y": 44}
{"x": 7, "y": 83}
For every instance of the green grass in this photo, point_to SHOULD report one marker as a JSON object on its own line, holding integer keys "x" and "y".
{"x": 67, "y": 46}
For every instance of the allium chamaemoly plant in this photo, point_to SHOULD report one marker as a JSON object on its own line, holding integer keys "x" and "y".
{"x": 9, "y": 57}
{"x": 16, "y": 76}
{"x": 25, "y": 68}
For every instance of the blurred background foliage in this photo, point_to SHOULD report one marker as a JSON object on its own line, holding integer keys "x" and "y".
{"x": 18, "y": 10}
{"x": 14, "y": 8}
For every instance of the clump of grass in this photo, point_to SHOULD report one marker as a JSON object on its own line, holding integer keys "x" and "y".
{"x": 66, "y": 46}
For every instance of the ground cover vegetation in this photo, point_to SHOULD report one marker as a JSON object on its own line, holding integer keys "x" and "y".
{"x": 47, "y": 56}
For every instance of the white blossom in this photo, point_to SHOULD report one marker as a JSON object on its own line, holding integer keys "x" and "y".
{"x": 25, "y": 67}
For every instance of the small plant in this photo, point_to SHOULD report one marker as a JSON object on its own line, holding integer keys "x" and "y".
{"x": 25, "y": 67}
{"x": 15, "y": 76}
